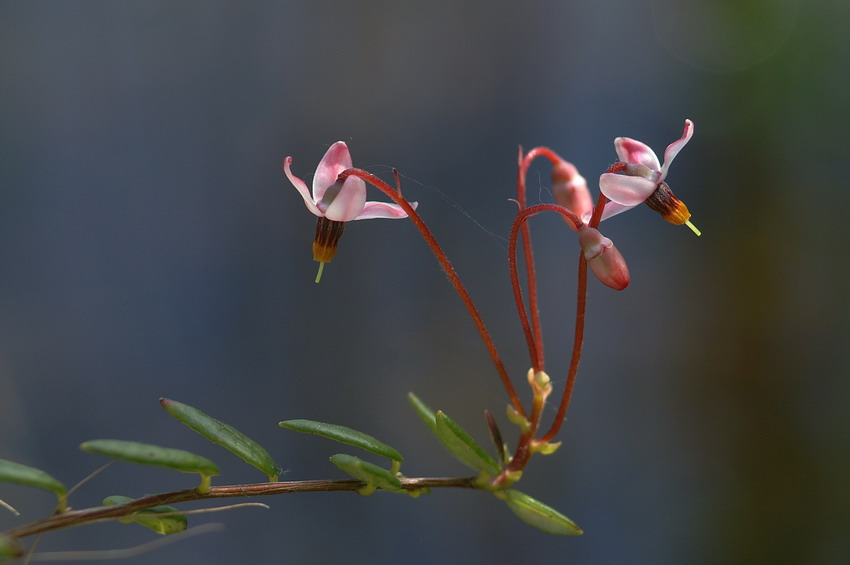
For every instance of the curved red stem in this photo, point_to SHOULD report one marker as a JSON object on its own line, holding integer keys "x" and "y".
{"x": 578, "y": 336}
{"x": 535, "y": 343}
{"x": 523, "y": 450}
{"x": 450, "y": 272}
{"x": 578, "y": 341}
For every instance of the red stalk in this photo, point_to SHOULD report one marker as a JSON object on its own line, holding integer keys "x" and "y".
{"x": 450, "y": 272}
{"x": 578, "y": 336}
{"x": 523, "y": 450}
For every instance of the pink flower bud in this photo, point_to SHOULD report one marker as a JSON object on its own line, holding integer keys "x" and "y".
{"x": 604, "y": 259}
{"x": 570, "y": 191}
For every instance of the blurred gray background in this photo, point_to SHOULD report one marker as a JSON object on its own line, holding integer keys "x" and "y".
{"x": 150, "y": 246}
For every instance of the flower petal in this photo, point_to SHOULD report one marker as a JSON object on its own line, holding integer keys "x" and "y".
{"x": 301, "y": 186}
{"x": 348, "y": 202}
{"x": 674, "y": 148}
{"x": 337, "y": 158}
{"x": 612, "y": 209}
{"x": 633, "y": 151}
{"x": 622, "y": 189}
{"x": 383, "y": 210}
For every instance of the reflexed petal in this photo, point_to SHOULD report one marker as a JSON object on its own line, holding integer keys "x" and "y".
{"x": 301, "y": 186}
{"x": 633, "y": 151}
{"x": 349, "y": 202}
{"x": 622, "y": 189}
{"x": 674, "y": 148}
{"x": 612, "y": 209}
{"x": 337, "y": 158}
{"x": 383, "y": 210}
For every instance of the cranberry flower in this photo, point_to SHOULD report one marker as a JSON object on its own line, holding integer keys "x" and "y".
{"x": 643, "y": 180}
{"x": 336, "y": 203}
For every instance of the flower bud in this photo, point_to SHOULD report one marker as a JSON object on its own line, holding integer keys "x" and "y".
{"x": 604, "y": 259}
{"x": 570, "y": 191}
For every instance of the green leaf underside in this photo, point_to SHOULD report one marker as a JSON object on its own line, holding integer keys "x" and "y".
{"x": 224, "y": 435}
{"x": 344, "y": 435}
{"x": 424, "y": 411}
{"x": 369, "y": 473}
{"x": 11, "y": 472}
{"x": 462, "y": 446}
{"x": 173, "y": 523}
{"x": 543, "y": 517}
{"x": 146, "y": 454}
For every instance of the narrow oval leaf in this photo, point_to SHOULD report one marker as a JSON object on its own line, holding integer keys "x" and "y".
{"x": 424, "y": 411}
{"x": 543, "y": 517}
{"x": 11, "y": 472}
{"x": 10, "y": 548}
{"x": 344, "y": 435}
{"x": 146, "y": 454}
{"x": 163, "y": 519}
{"x": 224, "y": 435}
{"x": 367, "y": 472}
{"x": 462, "y": 446}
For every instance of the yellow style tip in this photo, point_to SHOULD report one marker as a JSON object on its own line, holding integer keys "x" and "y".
{"x": 687, "y": 223}
{"x": 321, "y": 270}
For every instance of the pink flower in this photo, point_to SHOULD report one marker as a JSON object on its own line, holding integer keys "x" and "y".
{"x": 336, "y": 203}
{"x": 643, "y": 179}
{"x": 606, "y": 262}
{"x": 340, "y": 203}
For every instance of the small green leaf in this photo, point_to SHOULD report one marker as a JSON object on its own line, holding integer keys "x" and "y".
{"x": 535, "y": 513}
{"x": 424, "y": 411}
{"x": 172, "y": 522}
{"x": 344, "y": 435}
{"x": 369, "y": 473}
{"x": 11, "y": 472}
{"x": 10, "y": 548}
{"x": 462, "y": 446}
{"x": 146, "y": 454}
{"x": 224, "y": 435}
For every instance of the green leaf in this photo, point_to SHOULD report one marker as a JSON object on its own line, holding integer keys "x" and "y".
{"x": 535, "y": 513}
{"x": 224, "y": 435}
{"x": 146, "y": 454}
{"x": 344, "y": 435}
{"x": 173, "y": 522}
{"x": 11, "y": 472}
{"x": 424, "y": 411}
{"x": 10, "y": 548}
{"x": 369, "y": 473}
{"x": 462, "y": 446}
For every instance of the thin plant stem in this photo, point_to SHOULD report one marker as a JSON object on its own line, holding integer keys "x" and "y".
{"x": 73, "y": 518}
{"x": 597, "y": 211}
{"x": 534, "y": 334}
{"x": 535, "y": 344}
{"x": 578, "y": 335}
{"x": 450, "y": 272}
{"x": 523, "y": 450}
{"x": 578, "y": 341}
